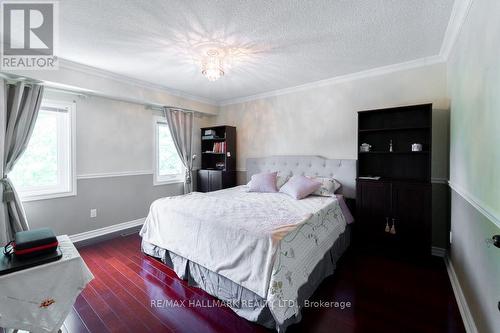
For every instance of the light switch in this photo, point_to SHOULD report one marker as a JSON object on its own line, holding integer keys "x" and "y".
{"x": 93, "y": 212}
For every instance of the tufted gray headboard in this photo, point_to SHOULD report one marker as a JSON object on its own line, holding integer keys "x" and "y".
{"x": 342, "y": 170}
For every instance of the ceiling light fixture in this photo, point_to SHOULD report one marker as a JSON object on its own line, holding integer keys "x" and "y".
{"x": 212, "y": 65}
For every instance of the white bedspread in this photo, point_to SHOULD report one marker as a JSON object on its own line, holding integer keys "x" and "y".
{"x": 268, "y": 243}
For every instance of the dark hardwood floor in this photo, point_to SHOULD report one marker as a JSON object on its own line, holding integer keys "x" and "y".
{"x": 387, "y": 295}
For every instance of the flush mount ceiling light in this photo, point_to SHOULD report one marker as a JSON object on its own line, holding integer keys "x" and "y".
{"x": 212, "y": 64}
{"x": 216, "y": 58}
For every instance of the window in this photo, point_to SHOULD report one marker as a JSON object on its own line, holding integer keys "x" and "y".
{"x": 46, "y": 168}
{"x": 168, "y": 165}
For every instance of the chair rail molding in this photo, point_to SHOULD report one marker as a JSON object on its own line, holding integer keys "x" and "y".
{"x": 482, "y": 207}
{"x": 114, "y": 174}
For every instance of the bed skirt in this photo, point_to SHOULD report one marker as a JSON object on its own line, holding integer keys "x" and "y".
{"x": 244, "y": 302}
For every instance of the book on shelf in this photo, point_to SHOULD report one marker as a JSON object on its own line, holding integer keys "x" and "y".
{"x": 219, "y": 147}
{"x": 369, "y": 177}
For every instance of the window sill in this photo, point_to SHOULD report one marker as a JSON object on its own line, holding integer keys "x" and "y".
{"x": 37, "y": 197}
{"x": 167, "y": 182}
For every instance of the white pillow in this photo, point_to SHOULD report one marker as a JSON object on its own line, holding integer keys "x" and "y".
{"x": 328, "y": 186}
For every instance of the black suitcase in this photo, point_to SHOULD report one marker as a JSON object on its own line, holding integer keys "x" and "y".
{"x": 34, "y": 243}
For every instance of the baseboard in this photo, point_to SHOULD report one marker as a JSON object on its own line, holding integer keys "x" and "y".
{"x": 470, "y": 325}
{"x": 438, "y": 251}
{"x": 106, "y": 232}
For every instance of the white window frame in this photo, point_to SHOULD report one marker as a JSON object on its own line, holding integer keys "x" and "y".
{"x": 67, "y": 179}
{"x": 157, "y": 178}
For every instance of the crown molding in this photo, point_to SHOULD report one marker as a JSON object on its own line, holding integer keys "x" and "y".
{"x": 458, "y": 16}
{"x": 89, "y": 70}
{"x": 422, "y": 62}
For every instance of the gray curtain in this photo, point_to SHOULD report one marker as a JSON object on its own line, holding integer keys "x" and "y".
{"x": 20, "y": 103}
{"x": 181, "y": 127}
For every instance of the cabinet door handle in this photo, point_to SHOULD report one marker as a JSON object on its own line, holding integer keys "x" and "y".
{"x": 393, "y": 228}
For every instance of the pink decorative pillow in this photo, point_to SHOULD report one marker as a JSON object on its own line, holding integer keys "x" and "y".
{"x": 263, "y": 182}
{"x": 299, "y": 187}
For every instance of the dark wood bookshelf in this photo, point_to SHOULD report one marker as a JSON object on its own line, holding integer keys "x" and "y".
{"x": 218, "y": 168}
{"x": 402, "y": 195}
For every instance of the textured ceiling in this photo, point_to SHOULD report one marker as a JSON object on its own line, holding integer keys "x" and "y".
{"x": 285, "y": 43}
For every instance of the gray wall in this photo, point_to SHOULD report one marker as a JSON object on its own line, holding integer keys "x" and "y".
{"x": 474, "y": 89}
{"x": 476, "y": 264}
{"x": 117, "y": 200}
{"x": 112, "y": 138}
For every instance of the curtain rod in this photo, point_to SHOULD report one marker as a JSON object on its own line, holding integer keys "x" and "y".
{"x": 160, "y": 108}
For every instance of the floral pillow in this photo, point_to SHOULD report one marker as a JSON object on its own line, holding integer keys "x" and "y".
{"x": 328, "y": 186}
{"x": 281, "y": 180}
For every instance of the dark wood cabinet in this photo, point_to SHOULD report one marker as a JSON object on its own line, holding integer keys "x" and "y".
{"x": 394, "y": 210}
{"x": 373, "y": 207}
{"x": 214, "y": 180}
{"x": 218, "y": 158}
{"x": 394, "y": 215}
{"x": 411, "y": 210}
{"x": 203, "y": 181}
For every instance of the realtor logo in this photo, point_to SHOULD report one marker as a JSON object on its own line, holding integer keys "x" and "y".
{"x": 29, "y": 31}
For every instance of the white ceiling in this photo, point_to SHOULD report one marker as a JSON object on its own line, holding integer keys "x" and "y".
{"x": 288, "y": 42}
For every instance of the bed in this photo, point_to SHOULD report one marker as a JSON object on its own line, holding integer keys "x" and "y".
{"x": 262, "y": 254}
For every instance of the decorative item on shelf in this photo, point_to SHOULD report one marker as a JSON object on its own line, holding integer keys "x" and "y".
{"x": 416, "y": 147}
{"x": 219, "y": 165}
{"x": 209, "y": 137}
{"x": 365, "y": 147}
{"x": 390, "y": 146}
{"x": 209, "y": 132}
{"x": 369, "y": 177}
{"x": 387, "y": 229}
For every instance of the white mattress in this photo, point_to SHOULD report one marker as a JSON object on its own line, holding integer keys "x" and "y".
{"x": 268, "y": 243}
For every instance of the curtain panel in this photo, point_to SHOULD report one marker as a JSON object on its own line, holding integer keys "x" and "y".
{"x": 181, "y": 128}
{"x": 19, "y": 103}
